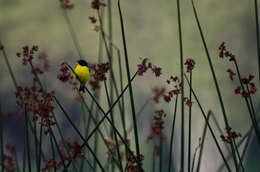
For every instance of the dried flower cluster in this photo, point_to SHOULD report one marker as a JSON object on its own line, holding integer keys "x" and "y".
{"x": 65, "y": 75}
{"x": 145, "y": 65}
{"x": 247, "y": 87}
{"x": 10, "y": 159}
{"x": 158, "y": 125}
{"x": 28, "y": 53}
{"x": 98, "y": 72}
{"x": 112, "y": 145}
{"x": 233, "y": 135}
{"x": 37, "y": 102}
{"x": 223, "y": 52}
{"x": 158, "y": 93}
{"x": 177, "y": 85}
{"x": 75, "y": 152}
{"x": 131, "y": 165}
{"x": 190, "y": 63}
{"x": 66, "y": 4}
{"x": 96, "y": 4}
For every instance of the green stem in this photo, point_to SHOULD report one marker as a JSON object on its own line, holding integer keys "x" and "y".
{"x": 52, "y": 151}
{"x": 211, "y": 130}
{"x": 202, "y": 142}
{"x": 257, "y": 36}
{"x": 115, "y": 136}
{"x": 238, "y": 154}
{"x": 219, "y": 129}
{"x": 9, "y": 67}
{"x": 172, "y": 134}
{"x": 217, "y": 86}
{"x": 189, "y": 139}
{"x": 182, "y": 87}
{"x": 130, "y": 87}
{"x": 161, "y": 154}
{"x": 249, "y": 105}
{"x": 78, "y": 132}
{"x": 2, "y": 138}
{"x": 27, "y": 138}
{"x": 72, "y": 33}
{"x": 106, "y": 115}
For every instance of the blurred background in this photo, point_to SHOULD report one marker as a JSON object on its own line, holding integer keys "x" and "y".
{"x": 151, "y": 31}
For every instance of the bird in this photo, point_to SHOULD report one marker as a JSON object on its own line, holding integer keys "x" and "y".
{"x": 82, "y": 73}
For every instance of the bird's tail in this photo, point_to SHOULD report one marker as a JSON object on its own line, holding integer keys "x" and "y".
{"x": 82, "y": 88}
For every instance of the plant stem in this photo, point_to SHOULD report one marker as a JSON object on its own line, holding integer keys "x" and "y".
{"x": 217, "y": 86}
{"x": 211, "y": 130}
{"x": 257, "y": 36}
{"x": 130, "y": 87}
{"x": 189, "y": 139}
{"x": 203, "y": 141}
{"x": 2, "y": 139}
{"x": 182, "y": 87}
{"x": 172, "y": 134}
{"x": 27, "y": 138}
{"x": 238, "y": 154}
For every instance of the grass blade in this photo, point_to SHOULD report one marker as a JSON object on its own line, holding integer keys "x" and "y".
{"x": 172, "y": 134}
{"x": 203, "y": 141}
{"x": 211, "y": 130}
{"x": 130, "y": 86}
{"x": 182, "y": 88}
{"x": 27, "y": 138}
{"x": 257, "y": 36}
{"x": 217, "y": 86}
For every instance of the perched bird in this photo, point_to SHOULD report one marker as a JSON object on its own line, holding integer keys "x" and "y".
{"x": 82, "y": 74}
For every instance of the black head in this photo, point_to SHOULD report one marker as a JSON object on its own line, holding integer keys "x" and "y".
{"x": 83, "y": 63}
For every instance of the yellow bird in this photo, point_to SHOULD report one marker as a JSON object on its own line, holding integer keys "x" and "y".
{"x": 82, "y": 74}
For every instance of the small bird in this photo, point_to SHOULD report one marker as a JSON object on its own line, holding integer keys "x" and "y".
{"x": 82, "y": 74}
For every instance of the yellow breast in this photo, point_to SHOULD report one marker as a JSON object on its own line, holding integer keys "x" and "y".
{"x": 82, "y": 72}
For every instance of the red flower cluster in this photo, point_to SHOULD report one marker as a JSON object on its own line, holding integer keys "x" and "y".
{"x": 187, "y": 101}
{"x": 96, "y": 4}
{"x": 175, "y": 91}
{"x": 51, "y": 164}
{"x": 9, "y": 163}
{"x": 66, "y": 4}
{"x": 65, "y": 75}
{"x": 158, "y": 93}
{"x": 231, "y": 74}
{"x": 92, "y": 19}
{"x": 247, "y": 82}
{"x": 37, "y": 102}
{"x": 233, "y": 135}
{"x": 27, "y": 53}
{"x": 190, "y": 63}
{"x": 9, "y": 159}
{"x": 98, "y": 74}
{"x": 158, "y": 126}
{"x": 112, "y": 145}
{"x": 75, "y": 150}
{"x": 223, "y": 52}
{"x": 131, "y": 165}
{"x": 145, "y": 65}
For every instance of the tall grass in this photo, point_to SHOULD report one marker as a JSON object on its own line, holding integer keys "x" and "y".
{"x": 111, "y": 135}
